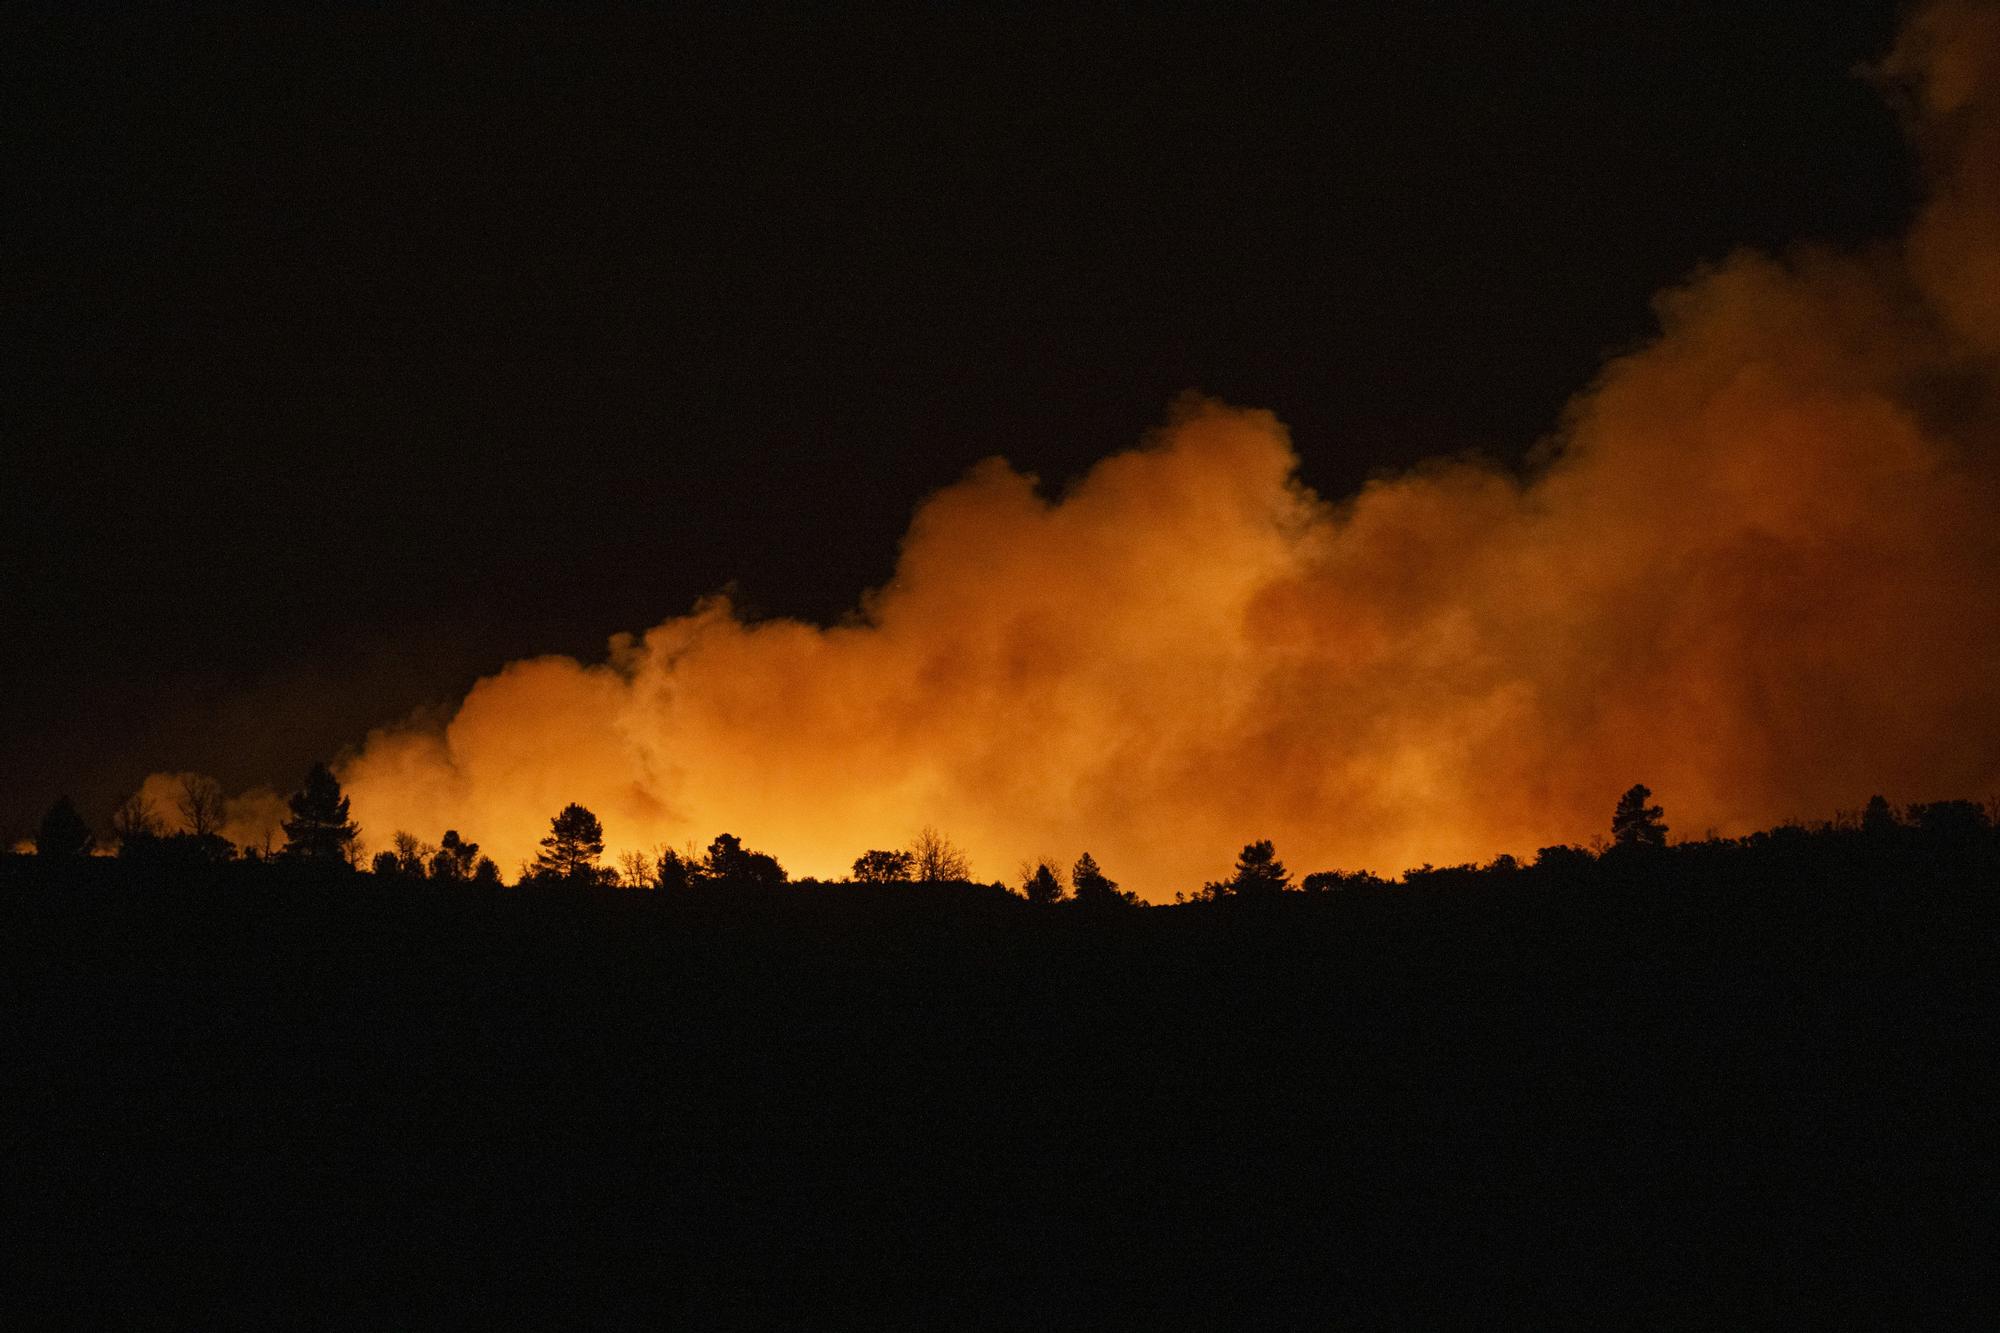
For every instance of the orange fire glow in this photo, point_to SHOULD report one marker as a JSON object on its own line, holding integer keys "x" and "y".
{"x": 1757, "y": 569}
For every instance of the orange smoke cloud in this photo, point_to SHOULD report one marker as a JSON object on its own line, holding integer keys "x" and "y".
{"x": 1757, "y": 569}
{"x": 253, "y": 818}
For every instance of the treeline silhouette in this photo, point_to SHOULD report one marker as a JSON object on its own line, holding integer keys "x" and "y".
{"x": 1720, "y": 1082}
{"x": 319, "y": 834}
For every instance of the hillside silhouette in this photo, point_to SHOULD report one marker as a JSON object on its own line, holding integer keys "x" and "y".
{"x": 1733, "y": 1081}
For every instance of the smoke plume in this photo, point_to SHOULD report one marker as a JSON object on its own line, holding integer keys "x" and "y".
{"x": 1756, "y": 568}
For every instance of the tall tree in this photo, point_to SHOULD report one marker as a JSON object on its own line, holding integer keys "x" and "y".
{"x": 638, "y": 870}
{"x": 934, "y": 860}
{"x": 1041, "y": 883}
{"x": 725, "y": 857}
{"x": 1636, "y": 824}
{"x": 201, "y": 804}
{"x": 1259, "y": 872}
{"x": 455, "y": 858}
{"x": 677, "y": 870}
{"x": 571, "y": 850}
{"x": 1092, "y": 886}
{"x": 62, "y": 832}
{"x": 1878, "y": 819}
{"x": 413, "y": 854}
{"x": 319, "y": 829}
{"x": 1259, "y": 875}
{"x": 137, "y": 827}
{"x": 730, "y": 862}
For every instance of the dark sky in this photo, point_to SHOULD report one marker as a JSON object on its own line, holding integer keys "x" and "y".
{"x": 353, "y": 355}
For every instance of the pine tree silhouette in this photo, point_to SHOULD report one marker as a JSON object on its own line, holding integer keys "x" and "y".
{"x": 1259, "y": 872}
{"x": 1043, "y": 885}
{"x": 1636, "y": 824}
{"x": 1094, "y": 888}
{"x": 571, "y": 850}
{"x": 319, "y": 829}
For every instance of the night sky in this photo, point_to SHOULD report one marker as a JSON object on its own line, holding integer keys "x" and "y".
{"x": 352, "y": 356}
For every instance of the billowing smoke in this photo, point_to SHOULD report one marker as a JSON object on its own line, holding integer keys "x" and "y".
{"x": 251, "y": 819}
{"x": 1757, "y": 569}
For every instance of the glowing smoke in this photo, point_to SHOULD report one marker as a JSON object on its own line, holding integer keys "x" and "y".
{"x": 253, "y": 819}
{"x": 1757, "y": 571}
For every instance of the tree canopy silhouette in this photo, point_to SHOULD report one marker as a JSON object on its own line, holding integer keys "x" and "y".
{"x": 200, "y": 802}
{"x": 1042, "y": 884}
{"x": 455, "y": 858}
{"x": 637, "y": 870}
{"x": 1088, "y": 879}
{"x": 880, "y": 867}
{"x": 1259, "y": 872}
{"x": 1329, "y": 881}
{"x": 136, "y": 825}
{"x": 1878, "y": 817}
{"x": 571, "y": 850}
{"x": 1636, "y": 824}
{"x": 934, "y": 860}
{"x": 62, "y": 832}
{"x": 1259, "y": 875}
{"x": 674, "y": 871}
{"x": 1093, "y": 888}
{"x": 413, "y": 855}
{"x": 1960, "y": 819}
{"x": 319, "y": 829}
{"x": 730, "y": 862}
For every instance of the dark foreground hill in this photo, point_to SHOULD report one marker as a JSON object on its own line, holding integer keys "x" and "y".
{"x": 1728, "y": 1086}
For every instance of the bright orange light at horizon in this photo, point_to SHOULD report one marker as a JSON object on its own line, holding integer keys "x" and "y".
{"x": 1759, "y": 572}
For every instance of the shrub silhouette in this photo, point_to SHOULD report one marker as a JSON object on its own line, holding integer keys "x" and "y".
{"x": 1564, "y": 857}
{"x": 1329, "y": 881}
